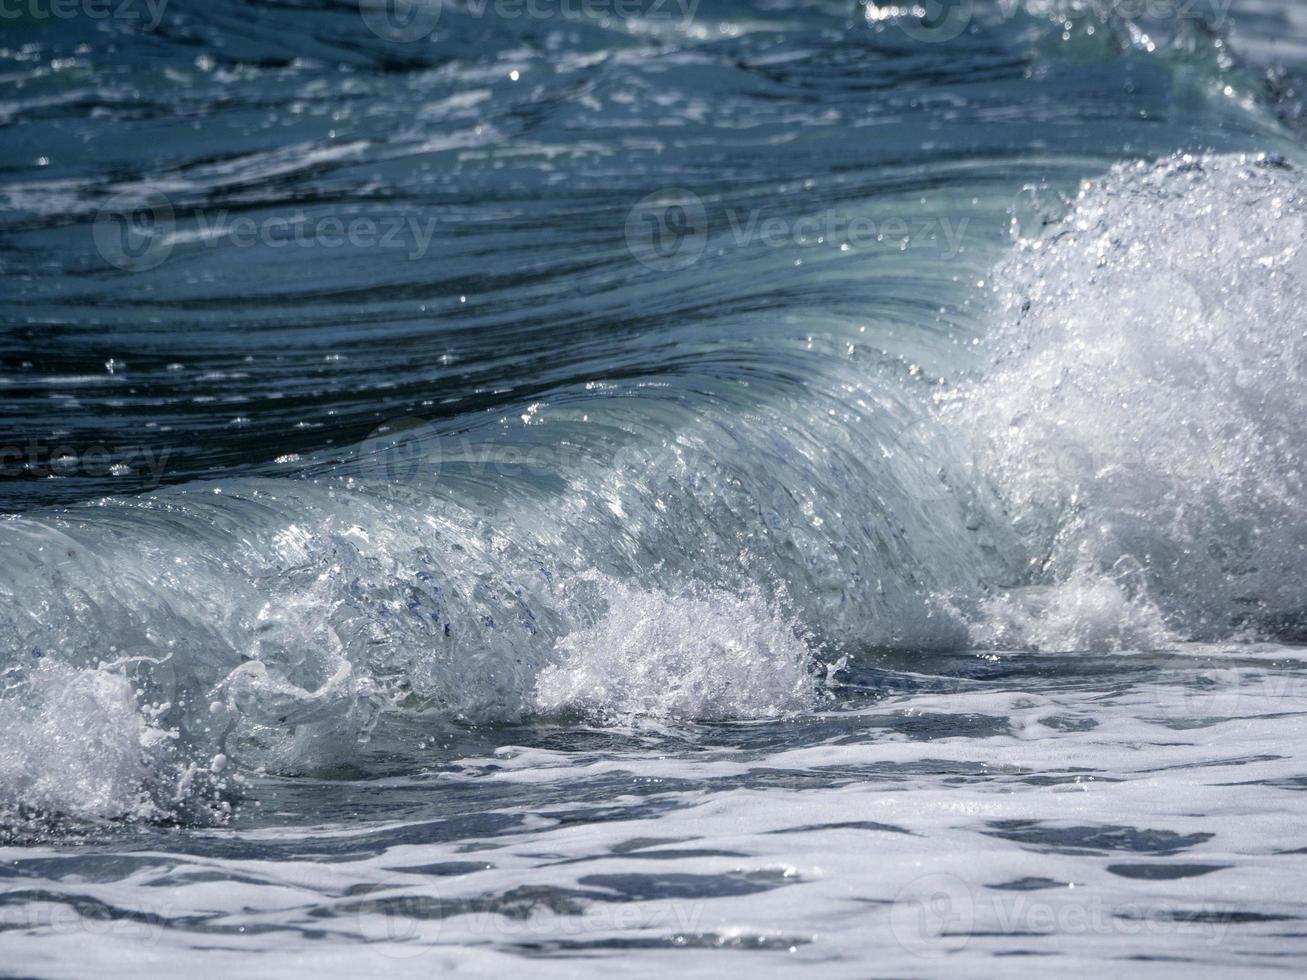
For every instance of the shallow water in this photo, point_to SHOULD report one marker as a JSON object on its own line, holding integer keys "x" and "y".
{"x": 782, "y": 485}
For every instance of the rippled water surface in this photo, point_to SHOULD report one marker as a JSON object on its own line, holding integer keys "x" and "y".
{"x": 652, "y": 486}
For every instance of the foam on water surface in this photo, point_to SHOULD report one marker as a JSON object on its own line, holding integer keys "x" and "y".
{"x": 527, "y": 601}
{"x": 966, "y": 822}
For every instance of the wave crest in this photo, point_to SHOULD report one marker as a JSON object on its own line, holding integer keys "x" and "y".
{"x": 1145, "y": 404}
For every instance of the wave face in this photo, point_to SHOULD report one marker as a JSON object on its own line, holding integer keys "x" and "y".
{"x": 531, "y": 463}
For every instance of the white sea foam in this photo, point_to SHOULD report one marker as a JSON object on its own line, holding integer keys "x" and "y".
{"x": 1146, "y": 406}
{"x": 78, "y": 742}
{"x": 1088, "y": 611}
{"x": 702, "y": 655}
{"x": 1056, "y": 834}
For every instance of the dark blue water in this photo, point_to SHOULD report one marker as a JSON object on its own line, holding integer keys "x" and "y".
{"x": 584, "y": 486}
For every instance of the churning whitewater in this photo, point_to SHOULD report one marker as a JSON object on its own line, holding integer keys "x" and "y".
{"x": 809, "y": 487}
{"x": 1129, "y": 483}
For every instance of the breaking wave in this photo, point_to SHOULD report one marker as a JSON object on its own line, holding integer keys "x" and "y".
{"x": 1143, "y": 420}
{"x": 1126, "y": 474}
{"x": 719, "y": 485}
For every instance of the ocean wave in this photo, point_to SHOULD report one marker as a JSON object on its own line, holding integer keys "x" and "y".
{"x": 641, "y": 491}
{"x": 1143, "y": 417}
